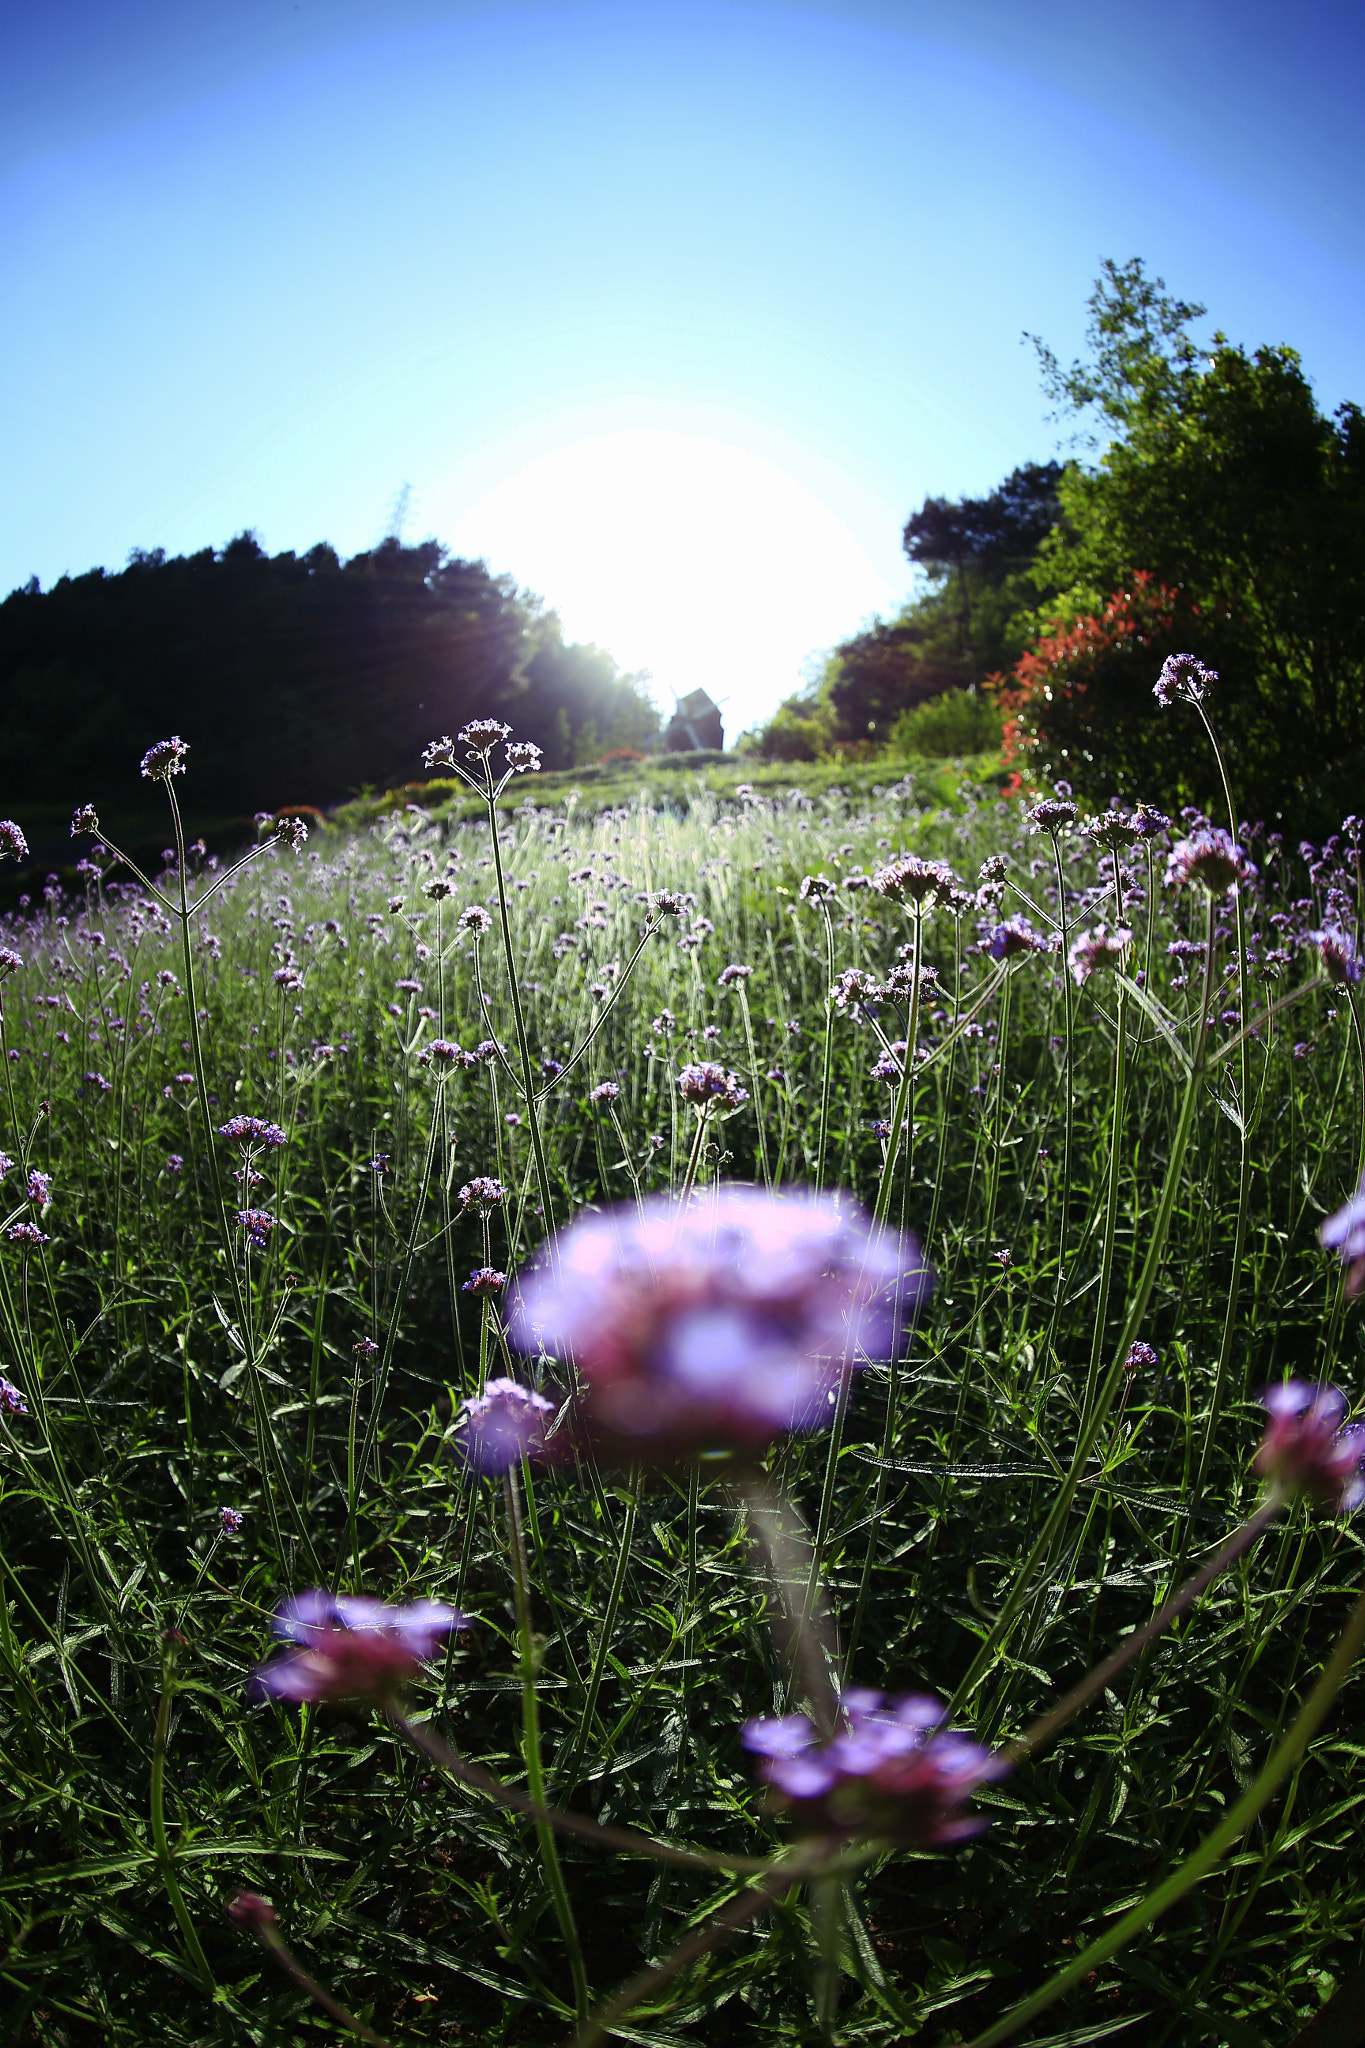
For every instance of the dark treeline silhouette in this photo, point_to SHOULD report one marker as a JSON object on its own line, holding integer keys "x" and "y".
{"x": 295, "y": 678}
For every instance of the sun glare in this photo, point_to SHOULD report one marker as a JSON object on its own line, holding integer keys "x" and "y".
{"x": 701, "y": 561}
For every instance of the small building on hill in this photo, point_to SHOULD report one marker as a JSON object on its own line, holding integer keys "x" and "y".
{"x": 694, "y": 725}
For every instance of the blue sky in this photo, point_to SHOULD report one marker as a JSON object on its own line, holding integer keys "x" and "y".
{"x": 674, "y": 312}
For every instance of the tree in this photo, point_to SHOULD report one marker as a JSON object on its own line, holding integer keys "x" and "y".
{"x": 294, "y": 678}
{"x": 1222, "y": 481}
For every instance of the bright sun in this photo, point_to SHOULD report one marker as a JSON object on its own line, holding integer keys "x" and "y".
{"x": 703, "y": 562}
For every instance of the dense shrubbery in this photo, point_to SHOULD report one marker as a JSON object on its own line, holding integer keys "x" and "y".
{"x": 220, "y": 1391}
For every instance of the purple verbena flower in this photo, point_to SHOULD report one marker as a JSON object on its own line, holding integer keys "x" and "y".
{"x": 28, "y": 1235}
{"x": 483, "y": 1194}
{"x": 734, "y": 972}
{"x": 257, "y": 1224}
{"x": 481, "y": 735}
{"x": 365, "y": 1349}
{"x": 443, "y": 1056}
{"x": 523, "y": 757}
{"x": 1013, "y": 938}
{"x": 1150, "y": 821}
{"x": 724, "y": 1325}
{"x": 174, "y": 1162}
{"x": 908, "y": 879}
{"x": 13, "y": 845}
{"x": 1340, "y": 961}
{"x": 1211, "y": 857}
{"x": 1096, "y": 950}
{"x": 703, "y": 1081}
{"x": 504, "y": 1424}
{"x": 84, "y": 821}
{"x": 1111, "y": 831}
{"x": 484, "y": 1280}
{"x": 229, "y": 1520}
{"x": 248, "y": 1131}
{"x": 165, "y": 759}
{"x": 475, "y": 919}
{"x": 855, "y": 989}
{"x": 347, "y": 1647}
{"x": 666, "y": 903}
{"x": 1141, "y": 1358}
{"x": 605, "y": 1091}
{"x": 1306, "y": 1446}
{"x": 440, "y": 753}
{"x": 1183, "y": 677}
{"x": 817, "y": 889}
{"x": 39, "y": 1189}
{"x": 1344, "y": 1232}
{"x": 10, "y": 961}
{"x": 892, "y": 1773}
{"x": 12, "y": 1401}
{"x": 1052, "y": 815}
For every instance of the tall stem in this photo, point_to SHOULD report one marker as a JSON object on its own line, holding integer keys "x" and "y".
{"x": 518, "y": 1018}
{"x": 535, "y": 1772}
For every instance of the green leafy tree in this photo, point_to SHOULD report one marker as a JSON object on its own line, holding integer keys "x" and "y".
{"x": 1220, "y": 479}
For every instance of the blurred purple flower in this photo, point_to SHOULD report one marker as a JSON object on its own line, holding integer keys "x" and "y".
{"x": 12, "y": 1401}
{"x": 504, "y": 1424}
{"x": 483, "y": 1194}
{"x": 174, "y": 1162}
{"x": 703, "y": 1081}
{"x": 1013, "y": 938}
{"x": 1306, "y": 1446}
{"x": 1340, "y": 961}
{"x": 1098, "y": 949}
{"x": 1211, "y": 857}
{"x": 1344, "y": 1234}
{"x": 39, "y": 1189}
{"x": 28, "y": 1234}
{"x": 348, "y": 1647}
{"x": 724, "y": 1325}
{"x": 229, "y": 1520}
{"x": 257, "y": 1224}
{"x": 908, "y": 879}
{"x": 1052, "y": 815}
{"x": 1141, "y": 1358}
{"x": 13, "y": 845}
{"x": 605, "y": 1091}
{"x": 893, "y": 1772}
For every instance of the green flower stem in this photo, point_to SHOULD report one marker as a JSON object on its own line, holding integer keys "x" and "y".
{"x": 1262, "y": 1789}
{"x": 535, "y": 1770}
{"x": 164, "y": 1859}
{"x": 827, "y": 1061}
{"x": 1022, "y": 1588}
{"x": 1111, "y": 1203}
{"x": 518, "y": 1017}
{"x": 764, "y": 1165}
{"x": 568, "y": 1778}
{"x": 694, "y": 1158}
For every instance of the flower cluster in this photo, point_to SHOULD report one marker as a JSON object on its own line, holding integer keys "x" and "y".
{"x": 817, "y": 889}
{"x": 85, "y": 820}
{"x": 893, "y": 1772}
{"x": 1013, "y": 938}
{"x": 165, "y": 759}
{"x": 1306, "y": 1446}
{"x": 504, "y": 1424}
{"x": 523, "y": 757}
{"x": 483, "y": 1194}
{"x": 724, "y": 1325}
{"x": 1340, "y": 961}
{"x": 248, "y": 1131}
{"x": 733, "y": 973}
{"x": 1053, "y": 815}
{"x": 257, "y": 1224}
{"x": 481, "y": 735}
{"x": 1183, "y": 678}
{"x": 229, "y": 1520}
{"x": 605, "y": 1091}
{"x": 1210, "y": 857}
{"x": 343, "y": 1647}
{"x": 12, "y": 1401}
{"x": 1095, "y": 950}
{"x": 13, "y": 845}
{"x": 908, "y": 879}
{"x": 703, "y": 1081}
{"x": 443, "y": 1056}
{"x": 484, "y": 1281}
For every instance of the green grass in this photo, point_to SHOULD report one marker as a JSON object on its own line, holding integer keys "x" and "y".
{"x": 168, "y": 1376}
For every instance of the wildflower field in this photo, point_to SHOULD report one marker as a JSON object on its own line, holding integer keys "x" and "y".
{"x": 582, "y": 1392}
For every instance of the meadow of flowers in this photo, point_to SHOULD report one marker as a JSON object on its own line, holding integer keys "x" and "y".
{"x": 724, "y": 1427}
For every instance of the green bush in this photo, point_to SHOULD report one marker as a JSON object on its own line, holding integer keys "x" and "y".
{"x": 958, "y": 722}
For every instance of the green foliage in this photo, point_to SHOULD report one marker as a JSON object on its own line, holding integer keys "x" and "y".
{"x": 956, "y": 723}
{"x": 977, "y": 557}
{"x": 421, "y": 1904}
{"x": 1223, "y": 481}
{"x": 305, "y": 678}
